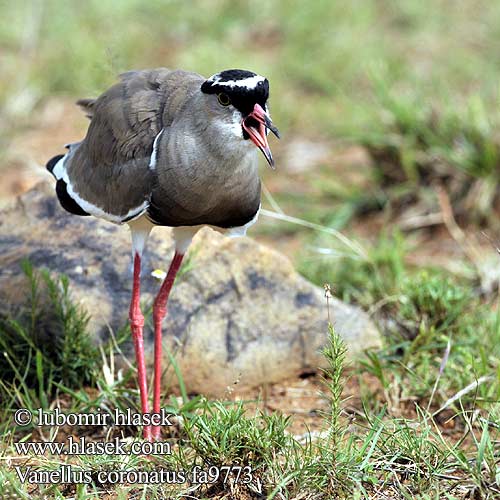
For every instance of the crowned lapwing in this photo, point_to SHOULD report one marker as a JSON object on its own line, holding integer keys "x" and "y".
{"x": 168, "y": 148}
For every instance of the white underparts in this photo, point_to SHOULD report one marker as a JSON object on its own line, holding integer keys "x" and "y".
{"x": 60, "y": 172}
{"x": 154, "y": 154}
{"x": 235, "y": 232}
{"x": 140, "y": 230}
{"x": 183, "y": 236}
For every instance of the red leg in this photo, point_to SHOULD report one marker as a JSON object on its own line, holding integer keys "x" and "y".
{"x": 137, "y": 324}
{"x": 159, "y": 312}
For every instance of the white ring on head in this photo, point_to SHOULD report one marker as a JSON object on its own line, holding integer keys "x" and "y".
{"x": 250, "y": 82}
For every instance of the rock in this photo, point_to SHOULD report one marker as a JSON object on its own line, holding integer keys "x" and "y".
{"x": 239, "y": 312}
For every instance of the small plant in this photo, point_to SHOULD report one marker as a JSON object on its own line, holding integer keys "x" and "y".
{"x": 334, "y": 460}
{"x": 335, "y": 353}
{"x": 46, "y": 343}
{"x": 222, "y": 435}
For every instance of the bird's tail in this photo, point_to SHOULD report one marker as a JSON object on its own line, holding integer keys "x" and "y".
{"x": 87, "y": 106}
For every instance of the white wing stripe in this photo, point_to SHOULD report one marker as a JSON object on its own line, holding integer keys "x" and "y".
{"x": 60, "y": 173}
{"x": 152, "y": 161}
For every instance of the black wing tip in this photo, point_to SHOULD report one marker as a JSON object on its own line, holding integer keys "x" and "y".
{"x": 68, "y": 203}
{"x": 52, "y": 163}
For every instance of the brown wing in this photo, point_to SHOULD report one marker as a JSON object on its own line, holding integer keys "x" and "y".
{"x": 109, "y": 169}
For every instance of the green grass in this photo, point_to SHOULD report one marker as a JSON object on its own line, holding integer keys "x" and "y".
{"x": 353, "y": 457}
{"x": 321, "y": 53}
{"x": 420, "y": 310}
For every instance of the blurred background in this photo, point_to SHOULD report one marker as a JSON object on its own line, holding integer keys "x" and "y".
{"x": 386, "y": 187}
{"x": 388, "y": 112}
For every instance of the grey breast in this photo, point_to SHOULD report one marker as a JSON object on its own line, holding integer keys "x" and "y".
{"x": 203, "y": 175}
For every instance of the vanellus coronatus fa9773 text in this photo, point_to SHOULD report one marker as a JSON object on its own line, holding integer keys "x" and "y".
{"x": 168, "y": 148}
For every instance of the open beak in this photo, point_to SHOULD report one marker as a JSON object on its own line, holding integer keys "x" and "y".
{"x": 255, "y": 125}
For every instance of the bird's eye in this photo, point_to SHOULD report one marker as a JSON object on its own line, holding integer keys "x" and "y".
{"x": 223, "y": 99}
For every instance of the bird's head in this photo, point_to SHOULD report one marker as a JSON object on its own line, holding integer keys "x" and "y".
{"x": 239, "y": 99}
